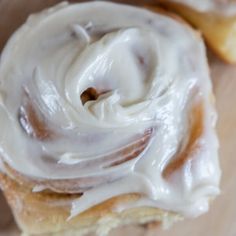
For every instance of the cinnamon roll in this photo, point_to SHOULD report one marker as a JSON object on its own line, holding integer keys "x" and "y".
{"x": 216, "y": 20}
{"x": 107, "y": 118}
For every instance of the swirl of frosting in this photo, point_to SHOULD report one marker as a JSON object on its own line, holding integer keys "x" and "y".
{"x": 108, "y": 99}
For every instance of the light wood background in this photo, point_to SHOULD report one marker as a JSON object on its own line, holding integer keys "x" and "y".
{"x": 221, "y": 219}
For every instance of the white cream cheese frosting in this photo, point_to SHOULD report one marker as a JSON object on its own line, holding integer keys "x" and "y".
{"x": 149, "y": 70}
{"x": 222, "y": 7}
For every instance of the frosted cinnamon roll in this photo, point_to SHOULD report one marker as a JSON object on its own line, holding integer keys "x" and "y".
{"x": 106, "y": 119}
{"x": 215, "y": 18}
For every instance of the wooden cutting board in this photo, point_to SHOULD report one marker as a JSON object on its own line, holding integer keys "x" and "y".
{"x": 220, "y": 221}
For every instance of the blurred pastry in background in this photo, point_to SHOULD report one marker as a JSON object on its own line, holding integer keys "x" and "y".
{"x": 215, "y": 19}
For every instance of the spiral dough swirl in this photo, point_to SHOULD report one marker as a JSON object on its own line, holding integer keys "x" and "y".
{"x": 106, "y": 99}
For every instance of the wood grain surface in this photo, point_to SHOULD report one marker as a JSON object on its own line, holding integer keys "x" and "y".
{"x": 220, "y": 221}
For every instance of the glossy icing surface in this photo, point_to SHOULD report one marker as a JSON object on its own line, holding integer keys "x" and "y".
{"x": 146, "y": 125}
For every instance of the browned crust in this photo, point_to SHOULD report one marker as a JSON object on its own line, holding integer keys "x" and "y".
{"x": 40, "y": 213}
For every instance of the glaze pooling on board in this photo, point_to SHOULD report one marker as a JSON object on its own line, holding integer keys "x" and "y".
{"x": 148, "y": 71}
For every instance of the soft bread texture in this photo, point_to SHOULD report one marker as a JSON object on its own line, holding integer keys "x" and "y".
{"x": 219, "y": 31}
{"x": 47, "y": 213}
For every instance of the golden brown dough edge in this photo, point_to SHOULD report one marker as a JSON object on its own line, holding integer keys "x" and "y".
{"x": 219, "y": 31}
{"x": 46, "y": 213}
